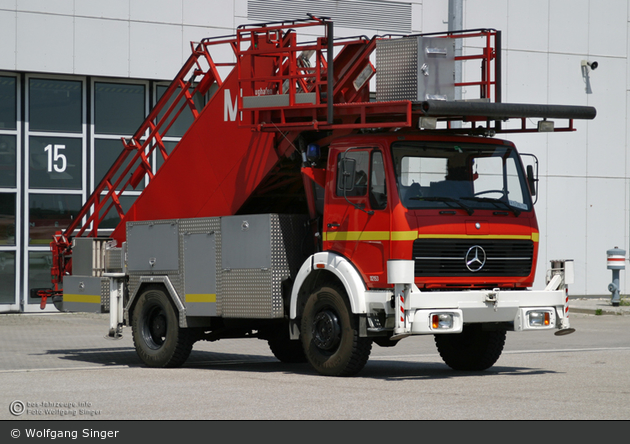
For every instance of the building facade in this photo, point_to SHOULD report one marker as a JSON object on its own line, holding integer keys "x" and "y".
{"x": 78, "y": 75}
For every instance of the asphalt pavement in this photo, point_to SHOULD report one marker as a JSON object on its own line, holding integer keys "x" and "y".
{"x": 56, "y": 358}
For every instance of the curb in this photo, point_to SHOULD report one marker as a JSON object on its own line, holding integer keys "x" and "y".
{"x": 597, "y": 307}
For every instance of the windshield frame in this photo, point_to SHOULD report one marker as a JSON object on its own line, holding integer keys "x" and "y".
{"x": 452, "y": 164}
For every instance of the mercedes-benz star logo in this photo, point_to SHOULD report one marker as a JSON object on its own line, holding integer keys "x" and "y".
{"x": 475, "y": 258}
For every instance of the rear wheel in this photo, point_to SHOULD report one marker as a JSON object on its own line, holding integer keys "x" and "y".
{"x": 474, "y": 349}
{"x": 158, "y": 339}
{"x": 330, "y": 334}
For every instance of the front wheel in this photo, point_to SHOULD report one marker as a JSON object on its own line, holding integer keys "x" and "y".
{"x": 287, "y": 351}
{"x": 330, "y": 334}
{"x": 158, "y": 339}
{"x": 474, "y": 349}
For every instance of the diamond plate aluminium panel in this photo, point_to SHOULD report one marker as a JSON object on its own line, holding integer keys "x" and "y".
{"x": 415, "y": 68}
{"x": 397, "y": 69}
{"x": 250, "y": 293}
{"x": 257, "y": 292}
{"x": 114, "y": 260}
{"x": 134, "y": 281}
{"x": 105, "y": 295}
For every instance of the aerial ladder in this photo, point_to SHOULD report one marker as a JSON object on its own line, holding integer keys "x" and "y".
{"x": 260, "y": 121}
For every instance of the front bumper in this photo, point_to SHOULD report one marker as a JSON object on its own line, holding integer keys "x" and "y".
{"x": 440, "y": 312}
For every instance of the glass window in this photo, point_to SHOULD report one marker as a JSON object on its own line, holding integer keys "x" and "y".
{"x": 112, "y": 220}
{"x": 106, "y": 151}
{"x": 422, "y": 170}
{"x": 499, "y": 178}
{"x": 489, "y": 174}
{"x": 8, "y": 163}
{"x": 465, "y": 176}
{"x": 39, "y": 263}
{"x": 378, "y": 188}
{"x": 359, "y": 161}
{"x": 7, "y": 219}
{"x": 7, "y": 277}
{"x": 8, "y": 113}
{"x": 185, "y": 119}
{"x": 49, "y": 213}
{"x": 55, "y": 162}
{"x": 55, "y": 105}
{"x": 118, "y": 108}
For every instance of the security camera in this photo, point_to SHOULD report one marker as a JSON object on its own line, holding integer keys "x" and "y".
{"x": 592, "y": 65}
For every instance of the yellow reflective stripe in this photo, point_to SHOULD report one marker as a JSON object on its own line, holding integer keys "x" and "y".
{"x": 412, "y": 235}
{"x": 404, "y": 235}
{"x": 84, "y": 298}
{"x": 357, "y": 236}
{"x": 201, "y": 298}
{"x": 533, "y": 236}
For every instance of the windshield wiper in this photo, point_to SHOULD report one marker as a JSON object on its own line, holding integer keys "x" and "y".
{"x": 506, "y": 205}
{"x": 445, "y": 199}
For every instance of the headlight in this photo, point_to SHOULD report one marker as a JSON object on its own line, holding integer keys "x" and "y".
{"x": 441, "y": 321}
{"x": 539, "y": 318}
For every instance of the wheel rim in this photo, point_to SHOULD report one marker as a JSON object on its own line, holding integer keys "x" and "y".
{"x": 154, "y": 327}
{"x": 326, "y": 330}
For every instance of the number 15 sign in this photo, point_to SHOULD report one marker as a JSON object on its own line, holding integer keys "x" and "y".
{"x": 56, "y": 159}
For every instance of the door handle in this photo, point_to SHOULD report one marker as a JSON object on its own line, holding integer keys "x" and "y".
{"x": 333, "y": 225}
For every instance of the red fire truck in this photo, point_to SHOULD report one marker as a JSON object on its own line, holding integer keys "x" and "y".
{"x": 302, "y": 209}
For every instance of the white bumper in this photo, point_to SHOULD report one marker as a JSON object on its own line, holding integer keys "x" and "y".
{"x": 521, "y": 309}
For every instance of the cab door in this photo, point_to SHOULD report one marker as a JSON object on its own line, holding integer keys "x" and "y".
{"x": 356, "y": 216}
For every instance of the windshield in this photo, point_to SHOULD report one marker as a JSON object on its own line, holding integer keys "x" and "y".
{"x": 459, "y": 175}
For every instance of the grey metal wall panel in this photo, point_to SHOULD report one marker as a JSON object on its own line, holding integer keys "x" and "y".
{"x": 206, "y": 227}
{"x": 82, "y": 294}
{"x": 436, "y": 69}
{"x": 200, "y": 273}
{"x": 82, "y": 256}
{"x": 153, "y": 246}
{"x": 246, "y": 241}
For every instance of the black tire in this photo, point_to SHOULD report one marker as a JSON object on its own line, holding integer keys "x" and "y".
{"x": 287, "y": 351}
{"x": 474, "y": 349}
{"x": 158, "y": 339}
{"x": 330, "y": 334}
{"x": 384, "y": 341}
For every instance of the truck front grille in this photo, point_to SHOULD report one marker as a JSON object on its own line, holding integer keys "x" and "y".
{"x": 474, "y": 257}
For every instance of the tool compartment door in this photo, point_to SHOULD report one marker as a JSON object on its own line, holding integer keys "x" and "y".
{"x": 152, "y": 246}
{"x": 200, "y": 274}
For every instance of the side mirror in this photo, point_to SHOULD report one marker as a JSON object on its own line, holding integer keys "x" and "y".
{"x": 531, "y": 172}
{"x": 531, "y": 179}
